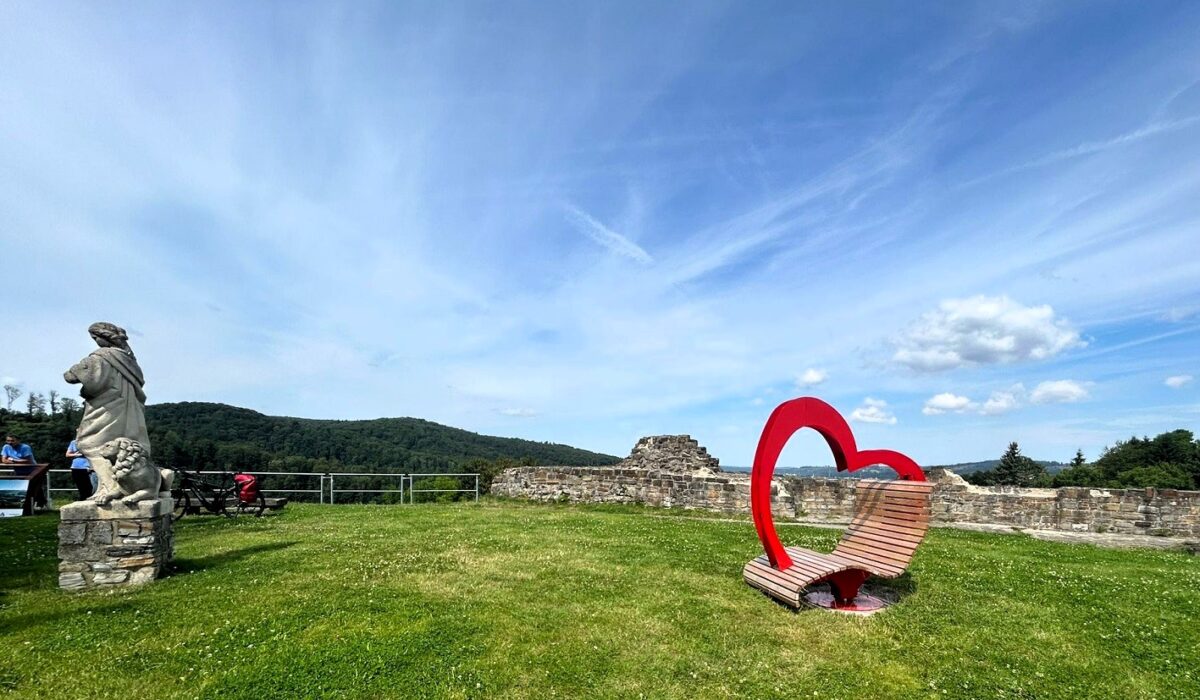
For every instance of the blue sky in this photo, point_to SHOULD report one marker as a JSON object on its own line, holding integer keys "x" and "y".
{"x": 963, "y": 224}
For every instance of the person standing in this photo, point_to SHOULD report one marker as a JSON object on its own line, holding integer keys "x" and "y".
{"x": 81, "y": 472}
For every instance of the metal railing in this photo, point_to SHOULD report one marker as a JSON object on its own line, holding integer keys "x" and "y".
{"x": 326, "y": 483}
{"x": 413, "y": 491}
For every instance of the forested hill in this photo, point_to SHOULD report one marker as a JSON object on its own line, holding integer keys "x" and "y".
{"x": 213, "y": 435}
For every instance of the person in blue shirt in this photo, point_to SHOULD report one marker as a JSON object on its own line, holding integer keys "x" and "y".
{"x": 17, "y": 453}
{"x": 20, "y": 457}
{"x": 81, "y": 471}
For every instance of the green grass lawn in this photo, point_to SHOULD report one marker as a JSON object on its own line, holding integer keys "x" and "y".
{"x": 504, "y": 599}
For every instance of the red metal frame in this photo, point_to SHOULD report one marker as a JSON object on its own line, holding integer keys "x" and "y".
{"x": 785, "y": 420}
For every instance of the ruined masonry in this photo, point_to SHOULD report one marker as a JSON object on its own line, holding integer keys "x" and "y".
{"x": 670, "y": 471}
{"x": 673, "y": 471}
{"x": 115, "y": 545}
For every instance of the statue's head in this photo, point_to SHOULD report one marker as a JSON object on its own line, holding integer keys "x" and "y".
{"x": 108, "y": 335}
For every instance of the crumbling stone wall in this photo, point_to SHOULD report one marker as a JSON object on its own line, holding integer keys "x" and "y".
{"x": 1123, "y": 511}
{"x": 671, "y": 453}
{"x": 724, "y": 493}
{"x": 1073, "y": 508}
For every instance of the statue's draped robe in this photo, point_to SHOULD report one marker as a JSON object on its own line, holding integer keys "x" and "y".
{"x": 114, "y": 403}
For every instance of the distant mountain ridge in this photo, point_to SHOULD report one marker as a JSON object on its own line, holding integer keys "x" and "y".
{"x": 972, "y": 467}
{"x": 202, "y": 434}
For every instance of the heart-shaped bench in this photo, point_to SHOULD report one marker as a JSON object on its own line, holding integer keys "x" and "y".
{"x": 890, "y": 517}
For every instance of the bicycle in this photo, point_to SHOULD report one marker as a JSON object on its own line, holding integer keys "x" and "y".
{"x": 193, "y": 494}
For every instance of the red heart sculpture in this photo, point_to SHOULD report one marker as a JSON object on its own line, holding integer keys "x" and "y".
{"x": 785, "y": 420}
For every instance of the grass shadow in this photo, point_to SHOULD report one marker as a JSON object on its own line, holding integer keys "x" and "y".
{"x": 17, "y": 622}
{"x": 191, "y": 566}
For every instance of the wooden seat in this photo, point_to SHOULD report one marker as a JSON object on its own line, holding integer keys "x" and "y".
{"x": 890, "y": 520}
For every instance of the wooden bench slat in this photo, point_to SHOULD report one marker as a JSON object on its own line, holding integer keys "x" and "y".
{"x": 772, "y": 575}
{"x": 877, "y": 514}
{"x": 872, "y": 567}
{"x": 873, "y": 554}
{"x": 867, "y": 528}
{"x": 884, "y": 541}
{"x": 871, "y": 501}
{"x": 895, "y": 486}
{"x": 813, "y": 562}
{"x": 868, "y": 503}
{"x": 869, "y": 557}
{"x": 910, "y": 526}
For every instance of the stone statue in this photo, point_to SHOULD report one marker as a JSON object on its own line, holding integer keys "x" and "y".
{"x": 112, "y": 432}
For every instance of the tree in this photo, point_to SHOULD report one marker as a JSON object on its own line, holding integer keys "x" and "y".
{"x": 53, "y": 402}
{"x": 35, "y": 404}
{"x": 1018, "y": 470}
{"x": 1078, "y": 460}
{"x": 12, "y": 393}
{"x": 1169, "y": 460}
{"x": 68, "y": 407}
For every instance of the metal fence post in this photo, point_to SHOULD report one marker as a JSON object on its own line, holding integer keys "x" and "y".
{"x": 476, "y": 488}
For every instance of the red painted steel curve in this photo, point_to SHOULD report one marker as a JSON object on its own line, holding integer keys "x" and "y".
{"x": 785, "y": 420}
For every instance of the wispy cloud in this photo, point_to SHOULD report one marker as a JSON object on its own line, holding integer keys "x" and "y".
{"x": 607, "y": 237}
{"x": 1088, "y": 148}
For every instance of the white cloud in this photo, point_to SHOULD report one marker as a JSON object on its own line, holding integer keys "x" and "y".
{"x": 518, "y": 412}
{"x": 811, "y": 377}
{"x": 1003, "y": 401}
{"x": 873, "y": 411}
{"x": 1059, "y": 391}
{"x": 947, "y": 403}
{"x": 983, "y": 330}
{"x": 1178, "y": 381}
{"x": 997, "y": 403}
{"x": 607, "y": 237}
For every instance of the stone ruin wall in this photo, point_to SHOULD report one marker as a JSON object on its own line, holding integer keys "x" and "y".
{"x": 675, "y": 472}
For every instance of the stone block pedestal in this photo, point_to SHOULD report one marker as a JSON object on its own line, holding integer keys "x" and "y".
{"x": 114, "y": 545}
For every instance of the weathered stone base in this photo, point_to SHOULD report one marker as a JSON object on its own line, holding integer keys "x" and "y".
{"x": 115, "y": 545}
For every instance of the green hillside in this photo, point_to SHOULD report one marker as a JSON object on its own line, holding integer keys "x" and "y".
{"x": 205, "y": 435}
{"x": 217, "y": 436}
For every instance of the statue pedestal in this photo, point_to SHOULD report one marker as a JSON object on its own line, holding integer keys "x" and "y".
{"x": 115, "y": 545}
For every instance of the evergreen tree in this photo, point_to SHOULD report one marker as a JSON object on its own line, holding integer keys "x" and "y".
{"x": 69, "y": 407}
{"x": 1078, "y": 460}
{"x": 35, "y": 404}
{"x": 1015, "y": 469}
